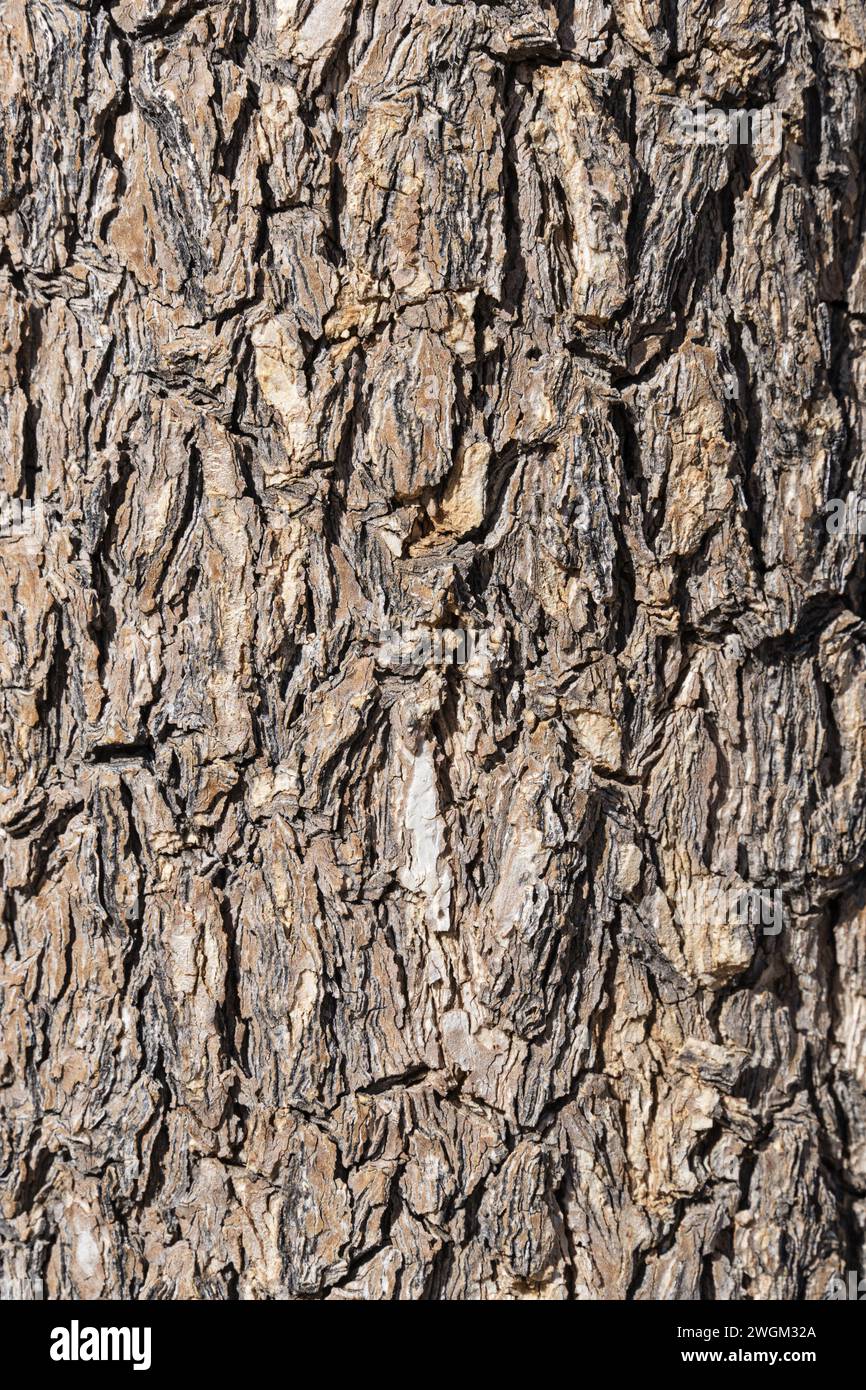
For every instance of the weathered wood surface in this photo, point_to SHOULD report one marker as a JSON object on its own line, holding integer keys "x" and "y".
{"x": 329, "y": 975}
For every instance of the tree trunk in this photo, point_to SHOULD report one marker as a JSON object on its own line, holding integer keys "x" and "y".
{"x": 432, "y": 758}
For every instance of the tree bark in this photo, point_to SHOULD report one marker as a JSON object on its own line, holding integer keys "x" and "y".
{"x": 432, "y": 737}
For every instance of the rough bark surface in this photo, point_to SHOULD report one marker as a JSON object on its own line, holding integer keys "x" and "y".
{"x": 327, "y": 975}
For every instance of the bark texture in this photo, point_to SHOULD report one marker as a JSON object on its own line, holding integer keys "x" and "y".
{"x": 330, "y": 975}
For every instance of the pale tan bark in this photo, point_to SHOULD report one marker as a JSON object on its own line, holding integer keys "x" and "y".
{"x": 332, "y": 974}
